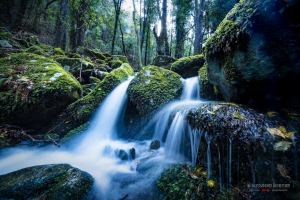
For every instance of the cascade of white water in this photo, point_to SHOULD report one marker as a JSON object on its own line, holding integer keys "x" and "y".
{"x": 220, "y": 168}
{"x": 208, "y": 139}
{"x": 191, "y": 90}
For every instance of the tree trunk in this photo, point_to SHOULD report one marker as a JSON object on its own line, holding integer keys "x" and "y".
{"x": 147, "y": 41}
{"x": 198, "y": 27}
{"x": 20, "y": 15}
{"x": 137, "y": 37}
{"x": 81, "y": 23}
{"x": 117, "y": 5}
{"x": 124, "y": 49}
{"x": 62, "y": 26}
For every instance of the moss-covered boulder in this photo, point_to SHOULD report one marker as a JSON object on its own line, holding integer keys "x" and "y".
{"x": 253, "y": 57}
{"x": 163, "y": 61}
{"x": 188, "y": 66}
{"x": 98, "y": 61}
{"x": 74, "y": 55}
{"x": 116, "y": 57}
{"x": 83, "y": 109}
{"x": 88, "y": 53}
{"x": 34, "y": 89}
{"x": 35, "y": 49}
{"x": 73, "y": 65}
{"x": 153, "y": 87}
{"x": 101, "y": 75}
{"x": 115, "y": 63}
{"x": 33, "y": 39}
{"x": 60, "y": 181}
{"x": 58, "y": 51}
{"x": 207, "y": 90}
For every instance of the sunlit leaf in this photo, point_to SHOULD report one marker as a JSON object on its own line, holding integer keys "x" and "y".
{"x": 68, "y": 122}
{"x": 282, "y": 146}
{"x": 283, "y": 130}
{"x": 194, "y": 175}
{"x": 276, "y": 132}
{"x": 232, "y": 104}
{"x": 236, "y": 114}
{"x": 216, "y": 107}
{"x": 211, "y": 183}
{"x": 211, "y": 112}
{"x": 199, "y": 169}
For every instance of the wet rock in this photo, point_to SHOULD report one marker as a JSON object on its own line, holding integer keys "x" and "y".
{"x": 88, "y": 53}
{"x": 123, "y": 155}
{"x": 163, "y": 61}
{"x": 60, "y": 181}
{"x": 188, "y": 66}
{"x": 5, "y": 44}
{"x": 132, "y": 153}
{"x": 244, "y": 59}
{"x": 154, "y": 87}
{"x": 121, "y": 58}
{"x": 44, "y": 89}
{"x": 101, "y": 75}
{"x": 155, "y": 144}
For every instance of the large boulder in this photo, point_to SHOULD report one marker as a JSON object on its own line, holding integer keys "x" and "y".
{"x": 73, "y": 65}
{"x": 116, "y": 57}
{"x": 253, "y": 57}
{"x": 154, "y": 87}
{"x": 88, "y": 53}
{"x": 60, "y": 181}
{"x": 188, "y": 66}
{"x": 163, "y": 61}
{"x": 34, "y": 89}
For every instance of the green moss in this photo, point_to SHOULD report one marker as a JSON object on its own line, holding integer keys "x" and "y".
{"x": 88, "y": 53}
{"x": 88, "y": 59}
{"x": 153, "y": 87}
{"x": 94, "y": 80}
{"x": 28, "y": 78}
{"x": 187, "y": 63}
{"x": 106, "y": 54}
{"x": 74, "y": 55}
{"x": 76, "y": 131}
{"x": 216, "y": 91}
{"x": 53, "y": 136}
{"x": 115, "y": 63}
{"x": 163, "y": 61}
{"x": 206, "y": 88}
{"x": 58, "y": 51}
{"x": 116, "y": 57}
{"x": 83, "y": 108}
{"x": 98, "y": 61}
{"x": 35, "y": 49}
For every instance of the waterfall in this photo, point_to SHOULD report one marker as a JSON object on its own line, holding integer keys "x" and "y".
{"x": 208, "y": 139}
{"x": 191, "y": 90}
{"x": 220, "y": 168}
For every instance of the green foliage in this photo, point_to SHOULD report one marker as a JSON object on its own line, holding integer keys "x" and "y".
{"x": 88, "y": 59}
{"x": 76, "y": 131}
{"x": 115, "y": 63}
{"x": 58, "y": 51}
{"x": 74, "y": 55}
{"x": 153, "y": 87}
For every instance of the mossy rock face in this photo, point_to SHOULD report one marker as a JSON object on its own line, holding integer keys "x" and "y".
{"x": 35, "y": 49}
{"x": 88, "y": 53}
{"x": 250, "y": 57}
{"x": 7, "y": 40}
{"x": 116, "y": 57}
{"x": 98, "y": 61}
{"x": 33, "y": 39}
{"x": 154, "y": 87}
{"x": 75, "y": 131}
{"x": 115, "y": 63}
{"x": 101, "y": 75}
{"x": 60, "y": 181}
{"x": 74, "y": 55}
{"x": 88, "y": 88}
{"x": 207, "y": 90}
{"x": 254, "y": 136}
{"x": 163, "y": 61}
{"x": 73, "y": 65}
{"x": 188, "y": 66}
{"x": 106, "y": 54}
{"x": 83, "y": 109}
{"x": 34, "y": 89}
{"x": 58, "y": 51}
{"x": 87, "y": 59}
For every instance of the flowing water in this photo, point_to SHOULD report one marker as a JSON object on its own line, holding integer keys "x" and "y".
{"x": 95, "y": 151}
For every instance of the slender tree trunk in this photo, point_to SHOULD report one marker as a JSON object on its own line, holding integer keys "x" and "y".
{"x": 124, "y": 49}
{"x": 198, "y": 27}
{"x": 147, "y": 41}
{"x": 62, "y": 26}
{"x": 20, "y": 15}
{"x": 137, "y": 37}
{"x": 117, "y": 5}
{"x": 81, "y": 24}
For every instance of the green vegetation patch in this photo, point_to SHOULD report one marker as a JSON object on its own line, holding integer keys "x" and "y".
{"x": 187, "y": 63}
{"x": 76, "y": 131}
{"x": 153, "y": 87}
{"x": 58, "y": 51}
{"x": 74, "y": 55}
{"x": 115, "y": 63}
{"x": 89, "y": 53}
{"x": 116, "y": 57}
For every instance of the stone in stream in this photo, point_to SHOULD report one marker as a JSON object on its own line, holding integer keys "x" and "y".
{"x": 132, "y": 153}
{"x": 123, "y": 155}
{"x": 60, "y": 181}
{"x": 155, "y": 144}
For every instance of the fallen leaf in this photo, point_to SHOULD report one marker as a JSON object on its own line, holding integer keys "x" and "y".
{"x": 236, "y": 114}
{"x": 199, "y": 169}
{"x": 282, "y": 146}
{"x": 24, "y": 77}
{"x": 283, "y": 130}
{"x": 204, "y": 106}
{"x": 232, "y": 104}
{"x": 272, "y": 113}
{"x": 99, "y": 88}
{"x": 194, "y": 175}
{"x": 210, "y": 112}
{"x": 283, "y": 171}
{"x": 216, "y": 107}
{"x": 276, "y": 132}
{"x": 211, "y": 183}
{"x": 68, "y": 122}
